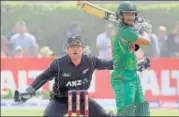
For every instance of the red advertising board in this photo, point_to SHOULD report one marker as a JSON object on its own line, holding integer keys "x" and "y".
{"x": 160, "y": 82}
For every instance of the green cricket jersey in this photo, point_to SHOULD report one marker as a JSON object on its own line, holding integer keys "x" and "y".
{"x": 123, "y": 59}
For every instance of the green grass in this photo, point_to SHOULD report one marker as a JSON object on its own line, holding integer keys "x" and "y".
{"x": 157, "y": 112}
{"x": 25, "y": 112}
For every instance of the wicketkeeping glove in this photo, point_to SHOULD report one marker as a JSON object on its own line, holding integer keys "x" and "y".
{"x": 143, "y": 64}
{"x": 23, "y": 97}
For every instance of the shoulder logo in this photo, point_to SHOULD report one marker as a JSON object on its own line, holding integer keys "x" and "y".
{"x": 85, "y": 71}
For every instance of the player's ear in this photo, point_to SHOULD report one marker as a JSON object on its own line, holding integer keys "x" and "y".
{"x": 67, "y": 49}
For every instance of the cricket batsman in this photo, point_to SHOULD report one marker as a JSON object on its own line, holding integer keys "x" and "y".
{"x": 124, "y": 79}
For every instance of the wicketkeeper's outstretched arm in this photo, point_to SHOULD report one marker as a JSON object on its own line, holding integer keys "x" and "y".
{"x": 45, "y": 76}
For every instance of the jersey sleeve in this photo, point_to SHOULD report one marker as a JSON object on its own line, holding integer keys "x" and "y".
{"x": 101, "y": 64}
{"x": 129, "y": 35}
{"x": 46, "y": 75}
{"x": 34, "y": 42}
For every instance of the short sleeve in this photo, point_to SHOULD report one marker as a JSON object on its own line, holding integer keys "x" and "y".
{"x": 34, "y": 41}
{"x": 129, "y": 35}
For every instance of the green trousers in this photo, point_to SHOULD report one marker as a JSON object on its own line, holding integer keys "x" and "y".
{"x": 127, "y": 89}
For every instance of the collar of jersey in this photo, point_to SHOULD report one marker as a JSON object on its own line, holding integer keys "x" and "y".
{"x": 125, "y": 24}
{"x": 70, "y": 62}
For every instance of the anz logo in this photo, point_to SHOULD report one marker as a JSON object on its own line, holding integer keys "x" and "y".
{"x": 75, "y": 83}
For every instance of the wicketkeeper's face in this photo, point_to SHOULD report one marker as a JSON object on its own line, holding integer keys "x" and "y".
{"x": 129, "y": 17}
{"x": 75, "y": 49}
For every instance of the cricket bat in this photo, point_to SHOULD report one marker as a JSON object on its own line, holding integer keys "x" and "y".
{"x": 97, "y": 11}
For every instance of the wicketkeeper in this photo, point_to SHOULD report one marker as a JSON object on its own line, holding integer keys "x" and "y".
{"x": 124, "y": 78}
{"x": 73, "y": 71}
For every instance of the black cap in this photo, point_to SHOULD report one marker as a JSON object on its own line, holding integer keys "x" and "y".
{"x": 75, "y": 38}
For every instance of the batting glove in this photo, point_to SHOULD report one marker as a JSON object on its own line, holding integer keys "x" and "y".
{"x": 144, "y": 64}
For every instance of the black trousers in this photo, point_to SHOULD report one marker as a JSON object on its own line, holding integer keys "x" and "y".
{"x": 60, "y": 108}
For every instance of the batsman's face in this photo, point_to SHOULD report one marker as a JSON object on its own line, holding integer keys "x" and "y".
{"x": 129, "y": 17}
{"x": 75, "y": 49}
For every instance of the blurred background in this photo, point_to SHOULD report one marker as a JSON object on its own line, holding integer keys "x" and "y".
{"x": 34, "y": 32}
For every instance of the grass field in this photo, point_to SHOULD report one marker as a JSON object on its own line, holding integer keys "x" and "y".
{"x": 156, "y": 112}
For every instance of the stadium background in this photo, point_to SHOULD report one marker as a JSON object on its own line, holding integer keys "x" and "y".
{"x": 50, "y": 22}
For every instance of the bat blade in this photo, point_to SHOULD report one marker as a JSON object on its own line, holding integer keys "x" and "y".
{"x": 97, "y": 11}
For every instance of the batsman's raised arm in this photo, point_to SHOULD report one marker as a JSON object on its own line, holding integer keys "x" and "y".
{"x": 130, "y": 35}
{"x": 143, "y": 39}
